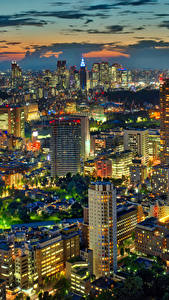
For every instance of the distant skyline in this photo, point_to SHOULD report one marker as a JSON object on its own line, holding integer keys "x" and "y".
{"x": 132, "y": 32}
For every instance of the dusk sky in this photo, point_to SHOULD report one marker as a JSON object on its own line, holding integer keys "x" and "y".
{"x": 37, "y": 32}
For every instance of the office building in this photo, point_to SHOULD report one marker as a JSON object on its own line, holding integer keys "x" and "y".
{"x": 121, "y": 163}
{"x": 152, "y": 238}
{"x": 89, "y": 168}
{"x": 138, "y": 172}
{"x": 52, "y": 253}
{"x": 103, "y": 168}
{"x": 104, "y": 73}
{"x": 31, "y": 112}
{"x": 154, "y": 144}
{"x": 160, "y": 179}
{"x": 83, "y": 75}
{"x": 16, "y": 73}
{"x": 21, "y": 270}
{"x": 62, "y": 74}
{"x": 159, "y": 210}
{"x": 6, "y": 264}
{"x": 65, "y": 146}
{"x": 103, "y": 228}
{"x": 12, "y": 122}
{"x": 126, "y": 221}
{"x": 137, "y": 140}
{"x": 164, "y": 121}
{"x": 78, "y": 274}
{"x": 95, "y": 74}
{"x": 85, "y": 135}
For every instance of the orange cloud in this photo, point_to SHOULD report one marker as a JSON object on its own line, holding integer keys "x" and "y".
{"x": 51, "y": 53}
{"x": 11, "y": 55}
{"x": 105, "y": 54}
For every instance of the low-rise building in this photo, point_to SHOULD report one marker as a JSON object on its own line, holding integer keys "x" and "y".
{"x": 78, "y": 274}
{"x": 152, "y": 238}
{"x": 121, "y": 163}
{"x": 101, "y": 285}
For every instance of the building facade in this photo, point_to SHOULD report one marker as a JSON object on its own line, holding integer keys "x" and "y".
{"x": 137, "y": 140}
{"x": 164, "y": 121}
{"x": 65, "y": 146}
{"x": 103, "y": 228}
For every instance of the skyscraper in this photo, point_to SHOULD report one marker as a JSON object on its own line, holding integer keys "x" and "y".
{"x": 95, "y": 74}
{"x": 164, "y": 126}
{"x": 65, "y": 146}
{"x": 103, "y": 228}
{"x": 62, "y": 73}
{"x": 104, "y": 73}
{"x": 16, "y": 73}
{"x": 12, "y": 121}
{"x": 85, "y": 135}
{"x": 83, "y": 74}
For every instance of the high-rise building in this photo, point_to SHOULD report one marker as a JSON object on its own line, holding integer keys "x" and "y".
{"x": 6, "y": 264}
{"x": 154, "y": 144}
{"x": 164, "y": 119}
{"x": 138, "y": 172}
{"x": 16, "y": 73}
{"x": 65, "y": 146}
{"x": 95, "y": 74}
{"x": 103, "y": 228}
{"x": 104, "y": 73}
{"x": 85, "y": 135}
{"x": 63, "y": 74}
{"x": 83, "y": 74}
{"x": 137, "y": 140}
{"x": 21, "y": 270}
{"x": 12, "y": 122}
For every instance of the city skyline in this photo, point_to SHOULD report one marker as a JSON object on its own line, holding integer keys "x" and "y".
{"x": 134, "y": 33}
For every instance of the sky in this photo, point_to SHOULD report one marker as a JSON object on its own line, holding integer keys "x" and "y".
{"x": 38, "y": 32}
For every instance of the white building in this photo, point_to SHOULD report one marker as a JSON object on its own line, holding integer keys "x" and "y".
{"x": 103, "y": 228}
{"x": 137, "y": 140}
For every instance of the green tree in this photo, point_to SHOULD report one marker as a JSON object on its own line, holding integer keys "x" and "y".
{"x": 122, "y": 251}
{"x": 131, "y": 289}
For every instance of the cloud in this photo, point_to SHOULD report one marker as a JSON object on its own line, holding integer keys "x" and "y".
{"x": 10, "y": 55}
{"x": 13, "y": 43}
{"x": 88, "y": 21}
{"x": 161, "y": 15}
{"x": 58, "y": 3}
{"x": 140, "y": 28}
{"x": 100, "y": 7}
{"x": 74, "y": 14}
{"x": 164, "y": 24}
{"x": 149, "y": 44}
{"x": 104, "y": 53}
{"x": 136, "y": 2}
{"x": 51, "y": 53}
{"x": 9, "y": 21}
{"x": 113, "y": 29}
